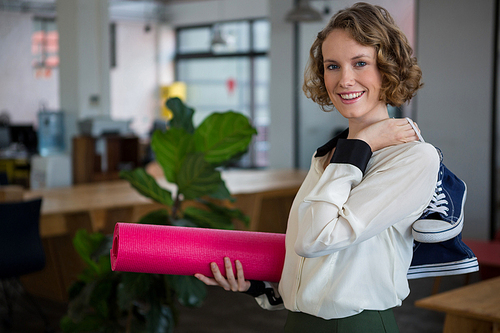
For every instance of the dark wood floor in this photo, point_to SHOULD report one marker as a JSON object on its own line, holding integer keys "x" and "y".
{"x": 226, "y": 312}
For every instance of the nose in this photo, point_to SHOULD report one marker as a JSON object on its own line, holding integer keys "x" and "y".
{"x": 346, "y": 78}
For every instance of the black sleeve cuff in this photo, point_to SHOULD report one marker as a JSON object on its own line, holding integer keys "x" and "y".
{"x": 352, "y": 151}
{"x": 256, "y": 289}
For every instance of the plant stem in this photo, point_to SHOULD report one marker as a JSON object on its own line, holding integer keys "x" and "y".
{"x": 176, "y": 207}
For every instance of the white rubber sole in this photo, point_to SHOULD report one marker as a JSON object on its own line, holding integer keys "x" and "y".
{"x": 435, "y": 231}
{"x": 464, "y": 266}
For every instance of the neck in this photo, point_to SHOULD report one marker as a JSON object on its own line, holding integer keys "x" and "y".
{"x": 360, "y": 123}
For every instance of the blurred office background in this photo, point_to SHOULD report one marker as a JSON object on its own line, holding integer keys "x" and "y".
{"x": 80, "y": 76}
{"x": 108, "y": 65}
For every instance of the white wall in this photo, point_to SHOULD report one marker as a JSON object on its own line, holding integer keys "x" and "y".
{"x": 141, "y": 66}
{"x": 84, "y": 57}
{"x": 20, "y": 91}
{"x": 281, "y": 90}
{"x": 143, "y": 62}
{"x": 84, "y": 53}
{"x": 134, "y": 92}
{"x": 453, "y": 109}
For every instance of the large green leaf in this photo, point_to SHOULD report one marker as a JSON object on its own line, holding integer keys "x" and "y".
{"x": 85, "y": 245}
{"x": 99, "y": 299}
{"x": 171, "y": 147}
{"x": 208, "y": 219}
{"x": 159, "y": 319}
{"x": 150, "y": 300}
{"x": 223, "y": 135}
{"x": 197, "y": 178}
{"x": 222, "y": 192}
{"x": 189, "y": 290}
{"x": 146, "y": 185}
{"x": 133, "y": 286}
{"x": 183, "y": 115}
{"x": 233, "y": 213}
{"x": 159, "y": 217}
{"x": 102, "y": 267}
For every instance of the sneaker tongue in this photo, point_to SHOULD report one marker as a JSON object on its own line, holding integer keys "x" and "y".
{"x": 433, "y": 216}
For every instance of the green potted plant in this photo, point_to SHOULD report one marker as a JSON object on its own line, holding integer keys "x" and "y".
{"x": 106, "y": 301}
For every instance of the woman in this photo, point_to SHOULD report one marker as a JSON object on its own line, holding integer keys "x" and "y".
{"x": 348, "y": 240}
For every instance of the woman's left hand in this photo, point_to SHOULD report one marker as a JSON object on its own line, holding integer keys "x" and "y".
{"x": 387, "y": 132}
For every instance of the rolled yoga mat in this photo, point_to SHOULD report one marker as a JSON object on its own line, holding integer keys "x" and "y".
{"x": 160, "y": 249}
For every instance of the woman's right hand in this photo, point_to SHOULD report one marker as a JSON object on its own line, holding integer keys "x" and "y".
{"x": 230, "y": 282}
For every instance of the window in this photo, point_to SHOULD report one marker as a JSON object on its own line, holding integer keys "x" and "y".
{"x": 44, "y": 46}
{"x": 225, "y": 67}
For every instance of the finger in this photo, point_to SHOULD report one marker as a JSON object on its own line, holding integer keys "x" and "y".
{"x": 410, "y": 135}
{"x": 400, "y": 121}
{"x": 230, "y": 274}
{"x": 221, "y": 280}
{"x": 409, "y": 131}
{"x": 206, "y": 280}
{"x": 404, "y": 134}
{"x": 416, "y": 125}
{"x": 243, "y": 285}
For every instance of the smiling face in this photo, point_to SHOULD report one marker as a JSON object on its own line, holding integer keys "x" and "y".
{"x": 352, "y": 78}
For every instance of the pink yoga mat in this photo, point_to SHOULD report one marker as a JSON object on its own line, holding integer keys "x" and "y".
{"x": 145, "y": 248}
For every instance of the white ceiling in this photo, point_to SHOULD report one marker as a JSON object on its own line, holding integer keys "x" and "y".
{"x": 119, "y": 9}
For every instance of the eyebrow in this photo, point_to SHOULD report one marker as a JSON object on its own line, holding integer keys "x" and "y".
{"x": 359, "y": 56}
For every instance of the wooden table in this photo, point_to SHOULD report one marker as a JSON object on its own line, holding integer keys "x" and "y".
{"x": 473, "y": 308}
{"x": 264, "y": 195}
{"x": 112, "y": 201}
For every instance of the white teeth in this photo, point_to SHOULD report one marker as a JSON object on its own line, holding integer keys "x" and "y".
{"x": 351, "y": 96}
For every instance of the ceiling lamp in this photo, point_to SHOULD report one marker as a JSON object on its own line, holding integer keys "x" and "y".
{"x": 217, "y": 38}
{"x": 303, "y": 12}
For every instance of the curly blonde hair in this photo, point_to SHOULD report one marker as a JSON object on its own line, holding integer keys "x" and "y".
{"x": 373, "y": 26}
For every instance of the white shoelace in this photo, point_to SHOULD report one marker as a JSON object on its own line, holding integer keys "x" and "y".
{"x": 438, "y": 201}
{"x": 415, "y": 129}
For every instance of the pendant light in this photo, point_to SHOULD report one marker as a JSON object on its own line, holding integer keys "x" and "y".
{"x": 217, "y": 38}
{"x": 303, "y": 12}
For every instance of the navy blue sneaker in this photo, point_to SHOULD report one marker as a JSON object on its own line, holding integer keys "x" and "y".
{"x": 443, "y": 218}
{"x": 438, "y": 249}
{"x": 451, "y": 257}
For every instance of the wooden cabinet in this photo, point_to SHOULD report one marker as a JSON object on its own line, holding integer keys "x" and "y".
{"x": 17, "y": 170}
{"x": 102, "y": 158}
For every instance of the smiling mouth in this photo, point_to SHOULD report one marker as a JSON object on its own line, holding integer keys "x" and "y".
{"x": 351, "y": 95}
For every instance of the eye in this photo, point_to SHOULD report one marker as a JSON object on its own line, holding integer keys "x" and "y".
{"x": 332, "y": 67}
{"x": 360, "y": 64}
